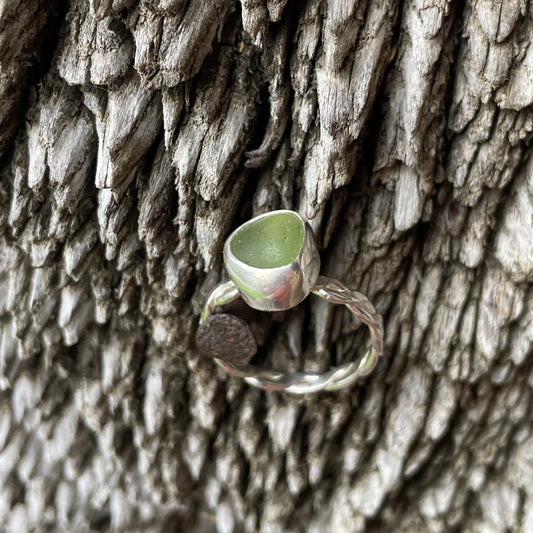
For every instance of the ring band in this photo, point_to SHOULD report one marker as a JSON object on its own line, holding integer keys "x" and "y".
{"x": 306, "y": 382}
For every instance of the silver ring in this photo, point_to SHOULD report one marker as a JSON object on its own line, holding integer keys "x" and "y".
{"x": 273, "y": 263}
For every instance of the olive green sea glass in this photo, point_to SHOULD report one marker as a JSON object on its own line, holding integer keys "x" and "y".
{"x": 269, "y": 242}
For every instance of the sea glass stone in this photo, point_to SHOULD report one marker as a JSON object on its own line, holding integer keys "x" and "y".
{"x": 270, "y": 242}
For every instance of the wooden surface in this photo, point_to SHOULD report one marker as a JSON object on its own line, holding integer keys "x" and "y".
{"x": 135, "y": 136}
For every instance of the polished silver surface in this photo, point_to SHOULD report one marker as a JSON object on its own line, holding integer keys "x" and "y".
{"x": 306, "y": 382}
{"x": 281, "y": 287}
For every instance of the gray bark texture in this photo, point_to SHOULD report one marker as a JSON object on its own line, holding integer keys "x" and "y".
{"x": 134, "y": 136}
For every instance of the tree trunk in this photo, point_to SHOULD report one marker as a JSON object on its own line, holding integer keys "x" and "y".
{"x": 134, "y": 137}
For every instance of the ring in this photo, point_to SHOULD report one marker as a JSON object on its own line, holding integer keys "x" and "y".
{"x": 273, "y": 263}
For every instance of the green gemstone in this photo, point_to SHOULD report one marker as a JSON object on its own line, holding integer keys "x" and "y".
{"x": 270, "y": 242}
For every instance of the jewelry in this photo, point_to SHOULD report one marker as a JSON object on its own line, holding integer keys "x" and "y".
{"x": 273, "y": 263}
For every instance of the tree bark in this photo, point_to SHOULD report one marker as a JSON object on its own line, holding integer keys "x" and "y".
{"x": 135, "y": 136}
